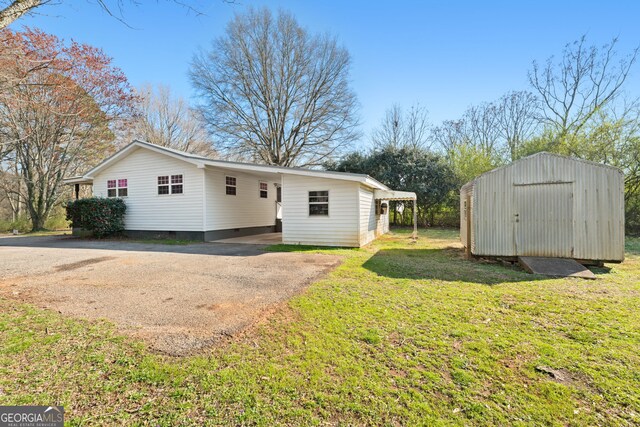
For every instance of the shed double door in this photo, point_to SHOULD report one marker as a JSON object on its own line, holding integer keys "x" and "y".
{"x": 544, "y": 219}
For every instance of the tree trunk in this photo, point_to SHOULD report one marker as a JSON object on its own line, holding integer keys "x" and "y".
{"x": 37, "y": 223}
{"x": 15, "y": 10}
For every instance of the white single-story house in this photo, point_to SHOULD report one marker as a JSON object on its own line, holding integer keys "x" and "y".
{"x": 171, "y": 193}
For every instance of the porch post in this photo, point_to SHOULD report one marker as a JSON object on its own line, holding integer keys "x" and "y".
{"x": 467, "y": 248}
{"x": 415, "y": 219}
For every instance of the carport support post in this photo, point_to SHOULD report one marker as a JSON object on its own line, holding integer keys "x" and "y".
{"x": 467, "y": 248}
{"x": 415, "y": 219}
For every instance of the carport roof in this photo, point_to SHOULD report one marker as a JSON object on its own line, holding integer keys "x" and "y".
{"x": 394, "y": 195}
{"x": 202, "y": 162}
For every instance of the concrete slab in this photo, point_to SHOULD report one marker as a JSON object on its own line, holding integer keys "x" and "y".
{"x": 255, "y": 239}
{"x": 557, "y": 267}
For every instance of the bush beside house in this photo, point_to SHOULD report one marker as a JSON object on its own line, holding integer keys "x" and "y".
{"x": 97, "y": 216}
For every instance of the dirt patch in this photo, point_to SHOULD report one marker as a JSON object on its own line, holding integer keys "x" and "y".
{"x": 559, "y": 375}
{"x": 179, "y": 302}
{"x": 568, "y": 378}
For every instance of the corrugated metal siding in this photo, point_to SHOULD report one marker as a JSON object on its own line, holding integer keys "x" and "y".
{"x": 340, "y": 228}
{"x": 597, "y": 205}
{"x": 466, "y": 190}
{"x": 146, "y": 210}
{"x": 544, "y": 220}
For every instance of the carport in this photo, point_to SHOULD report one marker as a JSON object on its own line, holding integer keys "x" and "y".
{"x": 400, "y": 196}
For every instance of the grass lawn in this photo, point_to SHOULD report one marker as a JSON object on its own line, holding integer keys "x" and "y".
{"x": 399, "y": 334}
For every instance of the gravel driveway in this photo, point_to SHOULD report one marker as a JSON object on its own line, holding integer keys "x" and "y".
{"x": 179, "y": 299}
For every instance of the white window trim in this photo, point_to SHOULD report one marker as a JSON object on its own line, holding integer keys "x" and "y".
{"x": 328, "y": 203}
{"x": 228, "y": 185}
{"x": 260, "y": 190}
{"x": 170, "y": 193}
{"x": 117, "y": 187}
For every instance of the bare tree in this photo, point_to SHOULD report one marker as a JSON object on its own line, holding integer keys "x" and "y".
{"x": 575, "y": 88}
{"x": 271, "y": 92}
{"x": 417, "y": 127}
{"x": 390, "y": 133}
{"x": 517, "y": 119}
{"x": 10, "y": 187}
{"x": 450, "y": 134}
{"x": 60, "y": 118}
{"x": 168, "y": 121}
{"x": 481, "y": 124}
{"x": 403, "y": 130}
{"x": 12, "y": 10}
{"x": 477, "y": 128}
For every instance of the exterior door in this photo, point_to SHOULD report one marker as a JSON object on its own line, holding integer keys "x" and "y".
{"x": 279, "y": 209}
{"x": 544, "y": 219}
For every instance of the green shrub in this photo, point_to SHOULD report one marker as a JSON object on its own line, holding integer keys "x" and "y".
{"x": 57, "y": 220}
{"x": 104, "y": 217}
{"x": 21, "y": 224}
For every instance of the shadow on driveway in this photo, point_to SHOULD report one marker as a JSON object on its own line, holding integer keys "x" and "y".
{"x": 70, "y": 242}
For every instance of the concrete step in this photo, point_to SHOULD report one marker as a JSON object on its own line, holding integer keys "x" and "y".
{"x": 557, "y": 267}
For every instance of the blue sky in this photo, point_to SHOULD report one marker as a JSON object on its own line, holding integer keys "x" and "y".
{"x": 444, "y": 55}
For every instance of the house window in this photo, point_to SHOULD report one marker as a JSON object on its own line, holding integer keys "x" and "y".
{"x": 163, "y": 184}
{"x": 170, "y": 184}
{"x": 319, "y": 203}
{"x": 264, "y": 190}
{"x": 117, "y": 188}
{"x": 230, "y": 182}
{"x": 176, "y": 184}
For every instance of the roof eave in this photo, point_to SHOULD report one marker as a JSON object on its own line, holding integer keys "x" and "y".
{"x": 77, "y": 180}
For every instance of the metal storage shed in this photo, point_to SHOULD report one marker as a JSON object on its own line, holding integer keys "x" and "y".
{"x": 545, "y": 205}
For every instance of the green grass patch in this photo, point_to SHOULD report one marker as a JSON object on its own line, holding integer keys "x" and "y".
{"x": 401, "y": 333}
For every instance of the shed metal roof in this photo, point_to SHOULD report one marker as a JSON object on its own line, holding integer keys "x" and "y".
{"x": 533, "y": 156}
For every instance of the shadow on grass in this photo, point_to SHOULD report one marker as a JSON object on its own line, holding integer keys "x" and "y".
{"x": 443, "y": 264}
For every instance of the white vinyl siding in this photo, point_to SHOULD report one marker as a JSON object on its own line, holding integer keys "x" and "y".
{"x": 146, "y": 210}
{"x": 339, "y": 228}
{"x": 246, "y": 208}
{"x": 204, "y": 205}
{"x": 371, "y": 225}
